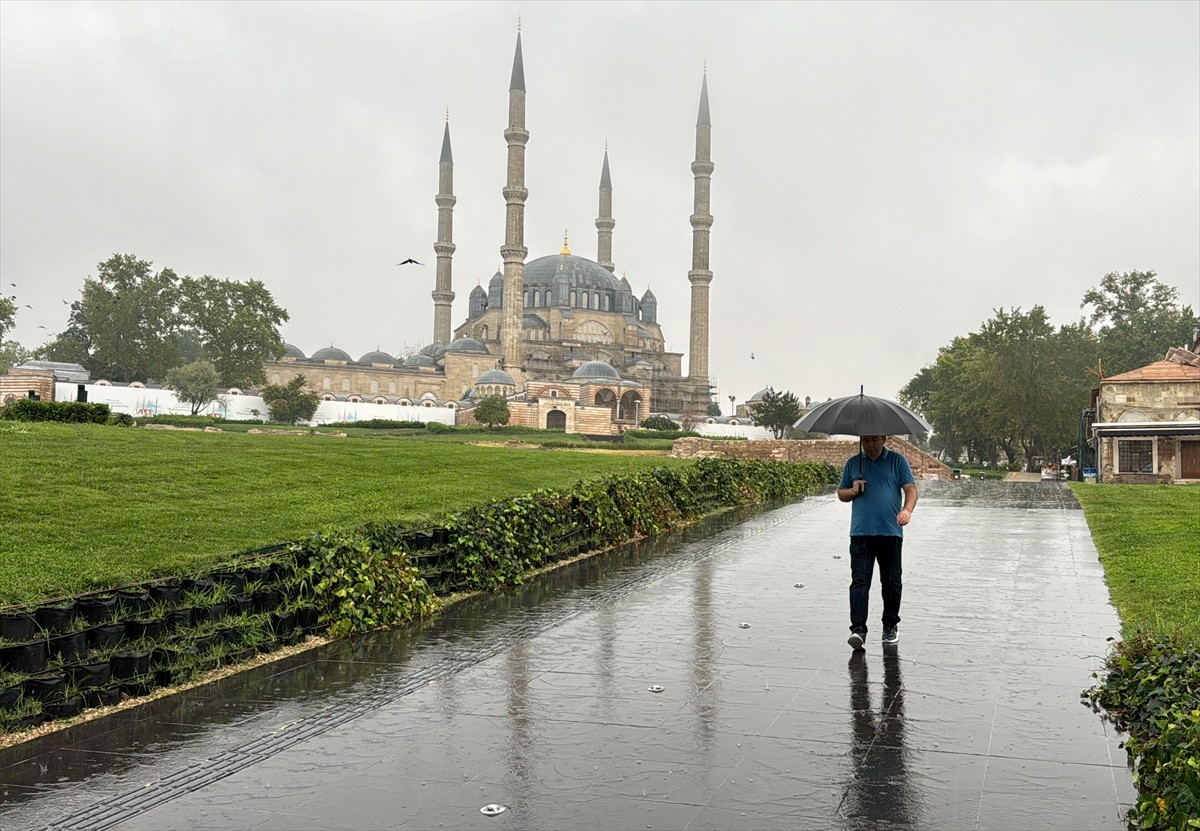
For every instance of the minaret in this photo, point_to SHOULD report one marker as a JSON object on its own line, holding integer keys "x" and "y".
{"x": 513, "y": 251}
{"x": 702, "y": 220}
{"x": 605, "y": 222}
{"x": 442, "y": 294}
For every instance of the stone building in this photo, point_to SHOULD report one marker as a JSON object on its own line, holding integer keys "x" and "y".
{"x": 1147, "y": 427}
{"x": 575, "y": 347}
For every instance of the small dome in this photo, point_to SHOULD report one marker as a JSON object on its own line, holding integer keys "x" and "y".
{"x": 649, "y": 296}
{"x": 468, "y": 345}
{"x": 290, "y": 351}
{"x": 495, "y": 376}
{"x": 596, "y": 369}
{"x": 496, "y": 281}
{"x": 377, "y": 357}
{"x": 331, "y": 353}
{"x": 434, "y": 350}
{"x": 419, "y": 360}
{"x": 478, "y": 291}
{"x": 758, "y": 395}
{"x": 577, "y": 271}
{"x": 624, "y": 285}
{"x": 531, "y": 321}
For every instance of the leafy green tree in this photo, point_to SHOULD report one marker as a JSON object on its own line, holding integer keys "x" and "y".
{"x": 492, "y": 410}
{"x": 777, "y": 412}
{"x": 195, "y": 384}
{"x": 12, "y": 354}
{"x": 659, "y": 422}
{"x": 233, "y": 325}
{"x": 713, "y": 409}
{"x": 8, "y": 314}
{"x": 289, "y": 403}
{"x": 1139, "y": 319}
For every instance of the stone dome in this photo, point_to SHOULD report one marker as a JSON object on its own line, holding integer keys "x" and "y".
{"x": 377, "y": 357}
{"x": 758, "y": 395}
{"x": 290, "y": 351}
{"x": 577, "y": 271}
{"x": 596, "y": 369}
{"x": 468, "y": 345}
{"x": 495, "y": 376}
{"x": 419, "y": 360}
{"x": 478, "y": 292}
{"x": 331, "y": 353}
{"x": 434, "y": 350}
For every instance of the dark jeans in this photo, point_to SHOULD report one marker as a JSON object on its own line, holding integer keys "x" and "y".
{"x": 864, "y": 552}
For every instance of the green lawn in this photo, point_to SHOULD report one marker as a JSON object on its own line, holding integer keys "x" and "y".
{"x": 1148, "y": 537}
{"x": 85, "y": 506}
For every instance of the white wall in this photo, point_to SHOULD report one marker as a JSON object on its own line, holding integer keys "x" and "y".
{"x": 144, "y": 402}
{"x": 742, "y": 431}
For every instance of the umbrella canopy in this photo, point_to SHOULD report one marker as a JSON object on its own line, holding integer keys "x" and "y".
{"x": 862, "y": 415}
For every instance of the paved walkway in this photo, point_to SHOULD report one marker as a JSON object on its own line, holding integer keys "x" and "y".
{"x": 541, "y": 700}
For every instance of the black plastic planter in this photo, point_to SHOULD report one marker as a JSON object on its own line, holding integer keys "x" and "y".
{"x": 103, "y": 697}
{"x": 31, "y": 721}
{"x": 137, "y": 629}
{"x": 267, "y": 600}
{"x": 90, "y": 675}
{"x": 56, "y": 618}
{"x": 306, "y": 619}
{"x": 203, "y": 644}
{"x": 166, "y": 593}
{"x": 282, "y": 570}
{"x": 70, "y": 647}
{"x": 17, "y": 626}
{"x": 130, "y": 665}
{"x": 66, "y": 708}
{"x": 235, "y": 580}
{"x": 48, "y": 687}
{"x": 229, "y": 635}
{"x": 268, "y": 645}
{"x": 198, "y": 584}
{"x": 283, "y": 624}
{"x": 9, "y": 696}
{"x": 138, "y": 687}
{"x": 214, "y": 612}
{"x": 167, "y": 676}
{"x": 134, "y": 603}
{"x": 257, "y": 573}
{"x": 106, "y": 635}
{"x": 242, "y": 604}
{"x": 24, "y": 657}
{"x": 162, "y": 657}
{"x": 97, "y": 609}
{"x": 178, "y": 619}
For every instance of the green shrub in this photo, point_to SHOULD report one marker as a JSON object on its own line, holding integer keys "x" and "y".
{"x": 380, "y": 424}
{"x": 71, "y": 412}
{"x": 174, "y": 420}
{"x": 1152, "y": 691}
{"x": 658, "y": 434}
{"x": 359, "y": 586}
{"x": 120, "y": 419}
{"x": 660, "y": 422}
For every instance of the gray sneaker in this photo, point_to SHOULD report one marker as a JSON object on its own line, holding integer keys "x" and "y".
{"x": 856, "y": 640}
{"x": 890, "y": 635}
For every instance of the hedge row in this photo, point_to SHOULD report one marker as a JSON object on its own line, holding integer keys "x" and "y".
{"x": 74, "y": 412}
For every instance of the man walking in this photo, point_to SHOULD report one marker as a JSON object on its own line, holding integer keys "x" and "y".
{"x": 880, "y": 484}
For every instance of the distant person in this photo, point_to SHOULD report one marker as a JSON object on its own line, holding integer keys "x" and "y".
{"x": 880, "y": 484}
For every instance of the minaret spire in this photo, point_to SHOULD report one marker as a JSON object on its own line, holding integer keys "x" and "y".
{"x": 513, "y": 251}
{"x": 443, "y": 296}
{"x": 700, "y": 276}
{"x": 605, "y": 222}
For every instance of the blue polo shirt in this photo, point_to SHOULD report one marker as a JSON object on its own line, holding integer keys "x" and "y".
{"x": 873, "y": 513}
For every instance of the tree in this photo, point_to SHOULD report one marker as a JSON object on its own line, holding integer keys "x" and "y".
{"x": 289, "y": 403}
{"x": 233, "y": 325}
{"x": 12, "y": 354}
{"x": 492, "y": 410}
{"x": 1140, "y": 319}
{"x": 195, "y": 384}
{"x": 713, "y": 409}
{"x": 659, "y": 422}
{"x": 776, "y": 411}
{"x": 8, "y": 314}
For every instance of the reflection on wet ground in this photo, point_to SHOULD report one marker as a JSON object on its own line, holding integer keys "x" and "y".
{"x": 540, "y": 699}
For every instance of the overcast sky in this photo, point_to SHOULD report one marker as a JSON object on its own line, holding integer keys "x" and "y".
{"x": 886, "y": 174}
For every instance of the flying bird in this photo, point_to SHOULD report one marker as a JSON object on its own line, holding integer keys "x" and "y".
{"x": 752, "y": 356}
{"x": 410, "y": 260}
{"x": 41, "y": 327}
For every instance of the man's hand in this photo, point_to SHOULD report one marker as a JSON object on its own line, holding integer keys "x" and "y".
{"x": 903, "y": 518}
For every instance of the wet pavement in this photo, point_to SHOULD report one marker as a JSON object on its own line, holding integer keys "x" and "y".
{"x": 541, "y": 700}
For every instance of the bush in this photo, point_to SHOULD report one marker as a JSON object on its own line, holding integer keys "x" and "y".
{"x": 70, "y": 412}
{"x": 380, "y": 424}
{"x": 659, "y": 422}
{"x": 659, "y": 434}
{"x": 173, "y": 420}
{"x": 120, "y": 419}
{"x": 1152, "y": 691}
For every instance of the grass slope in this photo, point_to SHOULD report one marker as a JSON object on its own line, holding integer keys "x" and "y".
{"x": 86, "y": 506}
{"x": 1148, "y": 537}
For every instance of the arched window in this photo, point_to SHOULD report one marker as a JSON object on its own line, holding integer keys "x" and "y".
{"x": 546, "y": 298}
{"x": 391, "y": 387}
{"x": 345, "y": 384}
{"x": 573, "y": 300}
{"x": 527, "y": 299}
{"x": 587, "y": 300}
{"x": 327, "y": 397}
{"x": 380, "y": 400}
{"x": 354, "y": 399}
{"x": 596, "y": 300}
{"x": 327, "y": 384}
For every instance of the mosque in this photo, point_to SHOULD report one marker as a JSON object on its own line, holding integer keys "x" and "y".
{"x": 561, "y": 337}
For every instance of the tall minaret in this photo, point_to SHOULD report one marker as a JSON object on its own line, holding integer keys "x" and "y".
{"x": 513, "y": 251}
{"x": 702, "y": 220}
{"x": 605, "y": 223}
{"x": 442, "y": 294}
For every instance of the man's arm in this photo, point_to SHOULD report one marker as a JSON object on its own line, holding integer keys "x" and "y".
{"x": 847, "y": 494}
{"x": 910, "y": 502}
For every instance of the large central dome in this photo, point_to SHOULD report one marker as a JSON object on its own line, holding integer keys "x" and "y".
{"x": 578, "y": 272}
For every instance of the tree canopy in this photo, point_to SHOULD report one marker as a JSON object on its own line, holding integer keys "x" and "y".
{"x": 492, "y": 410}
{"x": 1139, "y": 319}
{"x": 195, "y": 384}
{"x": 776, "y": 411}
{"x": 8, "y": 314}
{"x": 291, "y": 402}
{"x": 132, "y": 323}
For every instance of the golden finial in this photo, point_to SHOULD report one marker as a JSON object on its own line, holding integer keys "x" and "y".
{"x": 518, "y": 24}
{"x": 566, "y": 248}
{"x": 447, "y": 114}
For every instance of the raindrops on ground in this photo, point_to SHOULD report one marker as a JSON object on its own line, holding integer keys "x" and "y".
{"x": 743, "y": 626}
{"x": 799, "y": 585}
{"x": 492, "y": 810}
{"x": 837, "y": 556}
{"x": 656, "y": 688}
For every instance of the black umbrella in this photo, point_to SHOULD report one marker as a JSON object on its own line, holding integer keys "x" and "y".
{"x": 862, "y": 415}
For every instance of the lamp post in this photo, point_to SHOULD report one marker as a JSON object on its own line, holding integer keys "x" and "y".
{"x": 732, "y": 408}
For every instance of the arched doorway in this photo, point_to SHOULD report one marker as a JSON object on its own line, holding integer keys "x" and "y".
{"x": 631, "y": 404}
{"x": 556, "y": 420}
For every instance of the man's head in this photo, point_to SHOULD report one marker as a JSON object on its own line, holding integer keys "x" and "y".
{"x": 873, "y": 446}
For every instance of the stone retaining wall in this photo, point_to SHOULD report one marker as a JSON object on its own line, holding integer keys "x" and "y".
{"x": 830, "y": 451}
